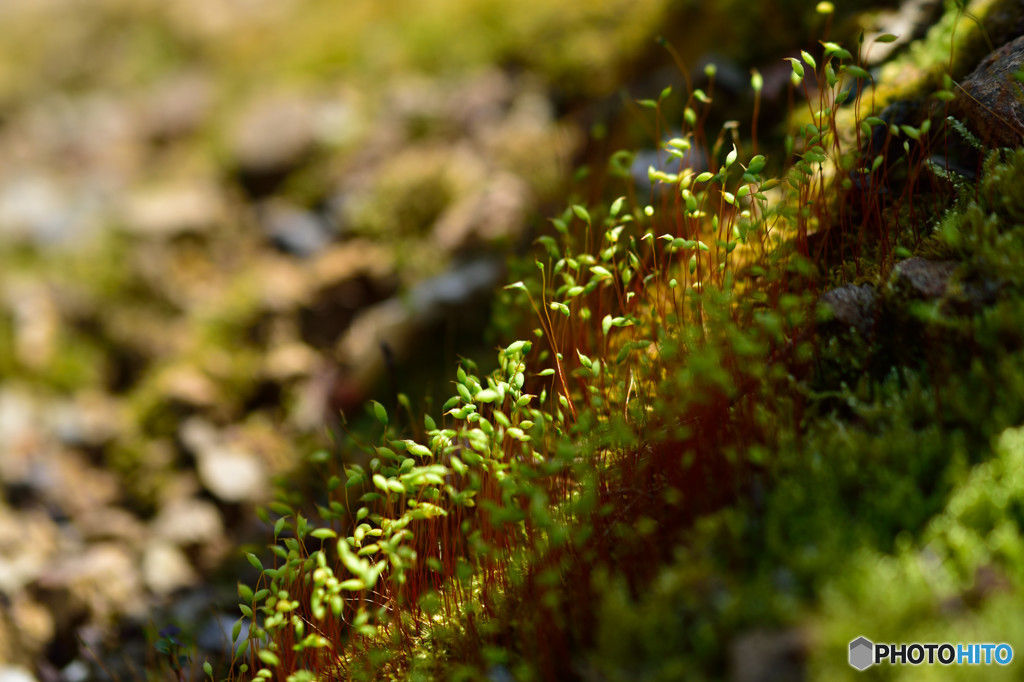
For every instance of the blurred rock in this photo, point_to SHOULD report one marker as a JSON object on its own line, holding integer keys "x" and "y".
{"x": 293, "y": 230}
{"x": 165, "y": 568}
{"x": 36, "y": 208}
{"x": 174, "y": 209}
{"x": 21, "y": 435}
{"x": 36, "y": 321}
{"x": 497, "y": 214}
{"x": 103, "y": 580}
{"x": 76, "y": 671}
{"x": 28, "y": 544}
{"x": 189, "y": 385}
{"x": 110, "y": 523}
{"x": 13, "y": 673}
{"x": 345, "y": 279}
{"x": 90, "y": 419}
{"x": 272, "y": 137}
{"x": 348, "y": 261}
{"x": 188, "y": 522}
{"x": 33, "y": 621}
{"x": 850, "y": 307}
{"x": 232, "y": 474}
{"x": 283, "y": 283}
{"x": 292, "y": 361}
{"x": 177, "y": 106}
{"x": 68, "y": 482}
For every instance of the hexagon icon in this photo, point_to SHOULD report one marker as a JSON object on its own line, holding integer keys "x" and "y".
{"x": 862, "y": 653}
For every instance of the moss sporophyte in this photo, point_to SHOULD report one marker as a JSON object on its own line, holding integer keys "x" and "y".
{"x": 682, "y": 407}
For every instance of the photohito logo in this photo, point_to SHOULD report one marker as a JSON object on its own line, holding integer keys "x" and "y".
{"x": 864, "y": 653}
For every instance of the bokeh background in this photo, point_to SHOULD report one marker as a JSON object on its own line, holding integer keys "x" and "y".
{"x": 222, "y": 222}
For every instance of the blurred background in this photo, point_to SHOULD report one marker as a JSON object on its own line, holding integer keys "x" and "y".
{"x": 224, "y": 221}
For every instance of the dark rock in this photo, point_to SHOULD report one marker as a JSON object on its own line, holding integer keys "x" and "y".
{"x": 850, "y": 307}
{"x": 991, "y": 100}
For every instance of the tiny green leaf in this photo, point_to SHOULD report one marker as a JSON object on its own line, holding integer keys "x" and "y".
{"x": 856, "y": 71}
{"x": 254, "y": 560}
{"x": 379, "y": 412}
{"x": 323, "y": 533}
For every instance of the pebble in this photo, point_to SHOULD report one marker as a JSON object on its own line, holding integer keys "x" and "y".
{"x": 293, "y": 230}
{"x": 233, "y": 475}
{"x": 174, "y": 209}
{"x": 274, "y": 133}
{"x": 165, "y": 568}
{"x": 188, "y": 521}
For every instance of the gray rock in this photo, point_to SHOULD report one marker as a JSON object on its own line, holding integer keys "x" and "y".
{"x": 292, "y": 229}
{"x": 921, "y": 278}
{"x": 850, "y": 307}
